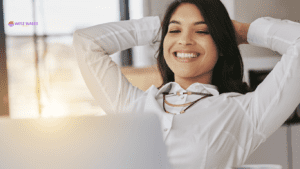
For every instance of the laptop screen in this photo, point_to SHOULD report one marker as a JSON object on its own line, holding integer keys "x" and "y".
{"x": 111, "y": 141}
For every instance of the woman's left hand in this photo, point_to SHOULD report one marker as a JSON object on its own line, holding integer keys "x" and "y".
{"x": 241, "y": 31}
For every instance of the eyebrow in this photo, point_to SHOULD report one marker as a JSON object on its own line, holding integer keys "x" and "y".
{"x": 196, "y": 23}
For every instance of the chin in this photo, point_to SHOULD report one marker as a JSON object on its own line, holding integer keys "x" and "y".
{"x": 186, "y": 74}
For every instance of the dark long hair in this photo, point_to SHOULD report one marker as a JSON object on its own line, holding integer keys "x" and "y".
{"x": 228, "y": 71}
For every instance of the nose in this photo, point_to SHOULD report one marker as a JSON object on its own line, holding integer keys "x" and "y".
{"x": 186, "y": 39}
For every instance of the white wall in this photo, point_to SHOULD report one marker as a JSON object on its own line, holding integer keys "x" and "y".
{"x": 248, "y": 11}
{"x": 296, "y": 146}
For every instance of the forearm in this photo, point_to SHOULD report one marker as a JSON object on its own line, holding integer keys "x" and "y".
{"x": 118, "y": 36}
{"x": 242, "y": 33}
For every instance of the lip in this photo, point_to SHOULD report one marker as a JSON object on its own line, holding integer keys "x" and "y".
{"x": 185, "y": 60}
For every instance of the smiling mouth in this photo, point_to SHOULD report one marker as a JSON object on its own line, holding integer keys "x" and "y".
{"x": 187, "y": 59}
{"x": 195, "y": 55}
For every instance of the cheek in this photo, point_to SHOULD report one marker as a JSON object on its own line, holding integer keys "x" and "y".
{"x": 211, "y": 54}
{"x": 166, "y": 46}
{"x": 212, "y": 48}
{"x": 166, "y": 41}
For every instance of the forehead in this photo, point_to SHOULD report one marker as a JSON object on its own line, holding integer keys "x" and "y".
{"x": 187, "y": 12}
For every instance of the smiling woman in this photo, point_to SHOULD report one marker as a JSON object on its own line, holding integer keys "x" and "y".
{"x": 202, "y": 30}
{"x": 208, "y": 118}
{"x": 188, "y": 36}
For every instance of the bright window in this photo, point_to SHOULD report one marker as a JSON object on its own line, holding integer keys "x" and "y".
{"x": 62, "y": 88}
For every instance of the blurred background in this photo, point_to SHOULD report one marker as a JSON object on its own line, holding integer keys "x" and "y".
{"x": 40, "y": 76}
{"x": 43, "y": 76}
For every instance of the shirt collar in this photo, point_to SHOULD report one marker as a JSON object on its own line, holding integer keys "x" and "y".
{"x": 173, "y": 87}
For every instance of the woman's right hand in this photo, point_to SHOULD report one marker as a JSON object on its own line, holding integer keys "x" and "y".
{"x": 241, "y": 31}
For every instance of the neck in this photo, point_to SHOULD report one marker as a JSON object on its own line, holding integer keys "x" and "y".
{"x": 185, "y": 82}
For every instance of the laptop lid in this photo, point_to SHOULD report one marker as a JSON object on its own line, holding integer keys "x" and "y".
{"x": 106, "y": 142}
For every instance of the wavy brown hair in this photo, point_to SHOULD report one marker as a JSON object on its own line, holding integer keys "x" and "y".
{"x": 228, "y": 71}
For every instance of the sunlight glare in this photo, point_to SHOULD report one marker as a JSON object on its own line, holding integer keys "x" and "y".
{"x": 55, "y": 109}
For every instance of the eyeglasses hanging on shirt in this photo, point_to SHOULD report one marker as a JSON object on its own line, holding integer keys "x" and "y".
{"x": 183, "y": 105}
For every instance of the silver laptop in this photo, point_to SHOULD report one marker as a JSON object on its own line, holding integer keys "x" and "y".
{"x": 108, "y": 142}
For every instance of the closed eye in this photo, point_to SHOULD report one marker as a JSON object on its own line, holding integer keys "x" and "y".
{"x": 203, "y": 32}
{"x": 177, "y": 31}
{"x": 174, "y": 31}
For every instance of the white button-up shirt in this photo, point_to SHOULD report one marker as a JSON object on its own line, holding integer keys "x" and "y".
{"x": 217, "y": 132}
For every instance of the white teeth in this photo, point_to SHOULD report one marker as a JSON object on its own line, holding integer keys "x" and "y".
{"x": 186, "y": 55}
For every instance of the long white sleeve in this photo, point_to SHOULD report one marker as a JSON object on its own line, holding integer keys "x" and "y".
{"x": 103, "y": 77}
{"x": 275, "y": 99}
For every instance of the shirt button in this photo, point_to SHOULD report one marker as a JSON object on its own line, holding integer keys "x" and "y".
{"x": 165, "y": 129}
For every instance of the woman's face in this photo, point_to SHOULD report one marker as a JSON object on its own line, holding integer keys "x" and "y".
{"x": 187, "y": 36}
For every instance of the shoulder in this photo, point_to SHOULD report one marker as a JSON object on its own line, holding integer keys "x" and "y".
{"x": 239, "y": 98}
{"x": 231, "y": 94}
